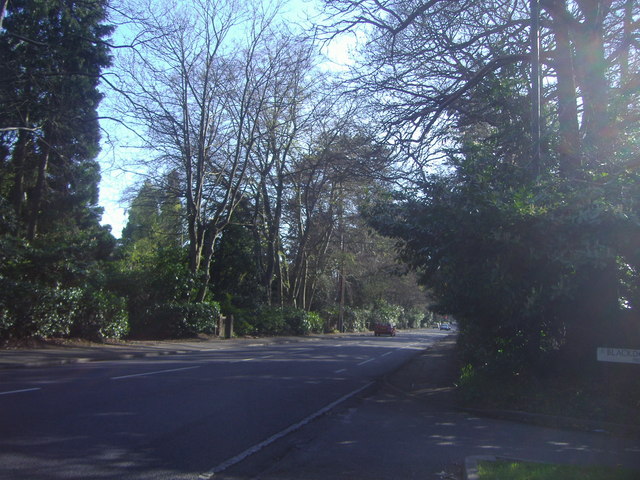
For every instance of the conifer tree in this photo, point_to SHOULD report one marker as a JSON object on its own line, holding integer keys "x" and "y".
{"x": 52, "y": 54}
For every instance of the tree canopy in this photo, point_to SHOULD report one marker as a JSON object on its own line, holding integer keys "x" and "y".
{"x": 52, "y": 54}
{"x": 534, "y": 260}
{"x": 278, "y": 191}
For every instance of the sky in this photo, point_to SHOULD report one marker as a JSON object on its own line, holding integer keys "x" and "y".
{"x": 117, "y": 177}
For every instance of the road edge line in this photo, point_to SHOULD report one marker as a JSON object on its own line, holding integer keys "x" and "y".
{"x": 259, "y": 446}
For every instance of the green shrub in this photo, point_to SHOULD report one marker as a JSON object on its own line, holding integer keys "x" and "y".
{"x": 158, "y": 283}
{"x": 315, "y": 322}
{"x": 100, "y": 314}
{"x": 241, "y": 327}
{"x": 412, "y": 318}
{"x": 29, "y": 309}
{"x": 6, "y": 321}
{"x": 385, "y": 312}
{"x": 33, "y": 310}
{"x": 301, "y": 322}
{"x": 52, "y": 311}
{"x": 178, "y": 320}
{"x": 269, "y": 321}
{"x": 356, "y": 319}
{"x": 428, "y": 320}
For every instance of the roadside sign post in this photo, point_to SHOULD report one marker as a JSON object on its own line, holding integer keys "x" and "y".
{"x": 618, "y": 355}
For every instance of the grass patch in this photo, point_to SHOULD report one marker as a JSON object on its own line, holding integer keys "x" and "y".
{"x": 609, "y": 393}
{"x": 543, "y": 471}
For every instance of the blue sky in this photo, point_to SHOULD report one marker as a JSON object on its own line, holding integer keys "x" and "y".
{"x": 115, "y": 158}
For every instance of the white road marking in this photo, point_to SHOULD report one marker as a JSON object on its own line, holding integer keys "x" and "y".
{"x": 385, "y": 354}
{"x": 341, "y": 370}
{"x": 259, "y": 446}
{"x": 366, "y": 361}
{"x": 19, "y": 391}
{"x": 154, "y": 373}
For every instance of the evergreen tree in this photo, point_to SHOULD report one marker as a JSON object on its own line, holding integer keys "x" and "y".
{"x": 53, "y": 53}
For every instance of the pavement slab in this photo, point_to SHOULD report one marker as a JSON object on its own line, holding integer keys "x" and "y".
{"x": 409, "y": 428}
{"x": 405, "y": 426}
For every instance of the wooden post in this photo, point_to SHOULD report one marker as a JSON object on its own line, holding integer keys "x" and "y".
{"x": 228, "y": 327}
{"x": 535, "y": 86}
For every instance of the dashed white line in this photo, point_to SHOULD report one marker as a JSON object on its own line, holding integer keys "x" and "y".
{"x": 259, "y": 446}
{"x": 341, "y": 370}
{"x": 385, "y": 354}
{"x": 154, "y": 373}
{"x": 366, "y": 361}
{"x": 19, "y": 391}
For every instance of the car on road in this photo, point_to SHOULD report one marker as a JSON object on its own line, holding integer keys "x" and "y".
{"x": 384, "y": 329}
{"x": 445, "y": 326}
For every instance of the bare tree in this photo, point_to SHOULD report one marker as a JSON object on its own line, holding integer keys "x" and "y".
{"x": 194, "y": 85}
{"x": 423, "y": 59}
{"x": 326, "y": 187}
{"x": 290, "y": 96}
{"x": 420, "y": 59}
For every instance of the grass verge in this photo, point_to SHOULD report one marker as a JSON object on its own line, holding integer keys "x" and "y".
{"x": 609, "y": 393}
{"x": 506, "y": 470}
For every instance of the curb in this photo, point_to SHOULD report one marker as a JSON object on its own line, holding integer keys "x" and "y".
{"x": 553, "y": 421}
{"x": 471, "y": 465}
{"x": 98, "y": 358}
{"x": 387, "y": 383}
{"x": 544, "y": 420}
{"x": 131, "y": 353}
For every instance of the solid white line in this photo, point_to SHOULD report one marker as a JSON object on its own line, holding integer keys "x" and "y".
{"x": 154, "y": 373}
{"x": 366, "y": 361}
{"x": 259, "y": 446}
{"x": 20, "y": 391}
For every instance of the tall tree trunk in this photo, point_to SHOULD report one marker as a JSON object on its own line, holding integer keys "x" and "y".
{"x": 319, "y": 264}
{"x": 195, "y": 242}
{"x": 568, "y": 128}
{"x": 589, "y": 45}
{"x": 38, "y": 194}
{"x": 627, "y": 39}
{"x": 211, "y": 234}
{"x": 275, "y": 240}
{"x": 301, "y": 295}
{"x": 19, "y": 162}
{"x": 628, "y": 82}
{"x": 269, "y": 261}
{"x": 3, "y": 9}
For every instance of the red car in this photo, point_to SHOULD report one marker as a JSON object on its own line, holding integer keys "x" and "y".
{"x": 384, "y": 329}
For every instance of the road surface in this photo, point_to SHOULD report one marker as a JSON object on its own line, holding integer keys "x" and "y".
{"x": 185, "y": 416}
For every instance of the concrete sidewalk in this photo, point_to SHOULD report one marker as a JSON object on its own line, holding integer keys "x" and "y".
{"x": 48, "y": 354}
{"x": 408, "y": 428}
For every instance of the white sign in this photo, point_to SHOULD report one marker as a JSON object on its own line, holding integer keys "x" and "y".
{"x": 618, "y": 355}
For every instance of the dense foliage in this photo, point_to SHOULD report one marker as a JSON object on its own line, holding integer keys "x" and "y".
{"x": 258, "y": 169}
{"x": 52, "y": 244}
{"x": 537, "y": 258}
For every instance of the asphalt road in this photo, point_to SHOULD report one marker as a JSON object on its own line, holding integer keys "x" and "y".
{"x": 181, "y": 417}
